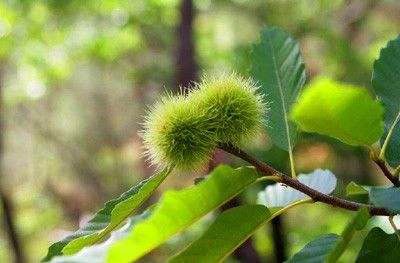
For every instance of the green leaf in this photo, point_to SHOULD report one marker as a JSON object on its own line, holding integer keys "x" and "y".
{"x": 179, "y": 209}
{"x": 379, "y": 247}
{"x": 108, "y": 218}
{"x": 278, "y": 195}
{"x": 342, "y": 111}
{"x": 277, "y": 65}
{"x": 386, "y": 83}
{"x": 316, "y": 251}
{"x": 354, "y": 189}
{"x": 356, "y": 224}
{"x": 388, "y": 198}
{"x": 225, "y": 234}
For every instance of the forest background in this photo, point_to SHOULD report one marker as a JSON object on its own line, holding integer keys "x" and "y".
{"x": 76, "y": 78}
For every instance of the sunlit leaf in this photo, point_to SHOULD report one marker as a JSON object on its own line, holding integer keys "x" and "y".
{"x": 179, "y": 209}
{"x": 379, "y": 247}
{"x": 279, "y": 195}
{"x": 108, "y": 218}
{"x": 342, "y": 111}
{"x": 277, "y": 65}
{"x": 386, "y": 83}
{"x": 225, "y": 234}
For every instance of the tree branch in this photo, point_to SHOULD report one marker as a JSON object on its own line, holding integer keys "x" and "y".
{"x": 314, "y": 194}
{"x": 382, "y": 165}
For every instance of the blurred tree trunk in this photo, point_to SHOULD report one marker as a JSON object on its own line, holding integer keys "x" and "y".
{"x": 6, "y": 202}
{"x": 9, "y": 226}
{"x": 186, "y": 64}
{"x": 279, "y": 240}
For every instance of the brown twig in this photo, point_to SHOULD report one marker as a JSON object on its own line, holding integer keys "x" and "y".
{"x": 314, "y": 194}
{"x": 382, "y": 165}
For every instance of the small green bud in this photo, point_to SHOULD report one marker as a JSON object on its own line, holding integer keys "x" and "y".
{"x": 178, "y": 134}
{"x": 233, "y": 105}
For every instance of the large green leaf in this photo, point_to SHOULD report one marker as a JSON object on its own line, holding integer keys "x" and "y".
{"x": 379, "y": 247}
{"x": 179, "y": 209}
{"x": 386, "y": 83}
{"x": 225, "y": 234}
{"x": 316, "y": 251}
{"x": 342, "y": 111}
{"x": 279, "y": 195}
{"x": 277, "y": 65}
{"x": 388, "y": 198}
{"x": 108, "y": 218}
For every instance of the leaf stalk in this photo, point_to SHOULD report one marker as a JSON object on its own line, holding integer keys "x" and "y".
{"x": 396, "y": 230}
{"x": 388, "y": 137}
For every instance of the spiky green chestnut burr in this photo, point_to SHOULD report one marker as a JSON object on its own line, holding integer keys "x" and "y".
{"x": 183, "y": 131}
{"x": 178, "y": 134}
{"x": 233, "y": 106}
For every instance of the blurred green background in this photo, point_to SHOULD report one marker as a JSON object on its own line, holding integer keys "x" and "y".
{"x": 76, "y": 77}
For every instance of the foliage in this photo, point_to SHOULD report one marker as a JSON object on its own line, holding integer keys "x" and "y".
{"x": 328, "y": 248}
{"x": 183, "y": 131}
{"x": 324, "y": 108}
{"x": 388, "y": 198}
{"x": 178, "y": 210}
{"x": 226, "y": 233}
{"x": 316, "y": 250}
{"x": 107, "y": 219}
{"x": 278, "y": 66}
{"x": 276, "y": 62}
{"x": 76, "y": 76}
{"x": 385, "y": 81}
{"x": 379, "y": 246}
